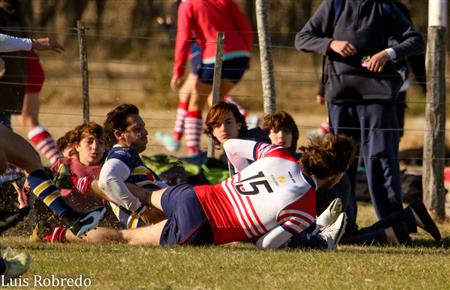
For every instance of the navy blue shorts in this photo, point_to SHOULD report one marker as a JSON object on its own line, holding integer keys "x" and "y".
{"x": 196, "y": 58}
{"x": 232, "y": 70}
{"x": 186, "y": 223}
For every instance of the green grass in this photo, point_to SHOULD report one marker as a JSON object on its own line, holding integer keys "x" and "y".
{"x": 241, "y": 266}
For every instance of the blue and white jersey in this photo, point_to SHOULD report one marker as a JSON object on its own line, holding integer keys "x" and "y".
{"x": 140, "y": 174}
{"x": 124, "y": 165}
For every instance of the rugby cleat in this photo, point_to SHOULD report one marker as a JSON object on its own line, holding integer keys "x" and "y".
{"x": 87, "y": 221}
{"x": 330, "y": 214}
{"x": 332, "y": 234}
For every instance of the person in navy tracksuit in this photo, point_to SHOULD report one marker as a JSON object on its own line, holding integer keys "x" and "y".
{"x": 363, "y": 83}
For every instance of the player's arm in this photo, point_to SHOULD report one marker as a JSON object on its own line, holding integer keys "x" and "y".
{"x": 293, "y": 219}
{"x": 274, "y": 239}
{"x": 239, "y": 151}
{"x": 10, "y": 43}
{"x": 112, "y": 181}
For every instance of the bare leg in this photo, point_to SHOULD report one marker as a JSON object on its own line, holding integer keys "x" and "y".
{"x": 199, "y": 96}
{"x": 99, "y": 235}
{"x": 149, "y": 235}
{"x": 30, "y": 111}
{"x": 225, "y": 88}
{"x": 185, "y": 91}
{"x": 18, "y": 151}
{"x": 144, "y": 235}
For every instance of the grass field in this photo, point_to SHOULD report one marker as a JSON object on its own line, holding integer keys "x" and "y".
{"x": 424, "y": 265}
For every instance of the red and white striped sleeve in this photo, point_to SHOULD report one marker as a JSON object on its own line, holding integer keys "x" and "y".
{"x": 300, "y": 214}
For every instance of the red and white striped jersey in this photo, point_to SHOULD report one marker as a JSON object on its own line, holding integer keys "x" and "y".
{"x": 268, "y": 193}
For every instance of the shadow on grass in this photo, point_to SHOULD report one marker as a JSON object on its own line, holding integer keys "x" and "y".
{"x": 426, "y": 243}
{"x": 418, "y": 247}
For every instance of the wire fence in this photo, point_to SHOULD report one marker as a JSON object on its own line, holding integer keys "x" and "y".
{"x": 107, "y": 79}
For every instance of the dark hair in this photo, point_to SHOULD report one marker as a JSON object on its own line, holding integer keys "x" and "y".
{"x": 328, "y": 155}
{"x": 281, "y": 121}
{"x": 117, "y": 120}
{"x": 216, "y": 115}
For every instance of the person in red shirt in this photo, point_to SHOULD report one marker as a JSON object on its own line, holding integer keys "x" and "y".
{"x": 203, "y": 19}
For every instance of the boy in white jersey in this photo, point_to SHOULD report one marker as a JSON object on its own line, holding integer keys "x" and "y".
{"x": 268, "y": 201}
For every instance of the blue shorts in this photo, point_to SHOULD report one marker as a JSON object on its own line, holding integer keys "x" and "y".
{"x": 186, "y": 223}
{"x": 232, "y": 70}
{"x": 196, "y": 58}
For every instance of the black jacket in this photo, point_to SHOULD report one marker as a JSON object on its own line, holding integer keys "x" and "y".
{"x": 367, "y": 25}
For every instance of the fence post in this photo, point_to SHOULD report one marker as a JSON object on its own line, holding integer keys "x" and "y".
{"x": 434, "y": 139}
{"x": 216, "y": 82}
{"x": 84, "y": 69}
{"x": 265, "y": 52}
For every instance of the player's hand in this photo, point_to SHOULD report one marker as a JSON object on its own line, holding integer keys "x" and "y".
{"x": 377, "y": 62}
{"x": 175, "y": 83}
{"x": 47, "y": 43}
{"x": 343, "y": 48}
{"x": 320, "y": 100}
{"x": 63, "y": 177}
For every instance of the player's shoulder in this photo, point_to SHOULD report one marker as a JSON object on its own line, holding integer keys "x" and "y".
{"x": 263, "y": 150}
{"x": 125, "y": 154}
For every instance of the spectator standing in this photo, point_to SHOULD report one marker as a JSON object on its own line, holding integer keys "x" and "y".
{"x": 363, "y": 84}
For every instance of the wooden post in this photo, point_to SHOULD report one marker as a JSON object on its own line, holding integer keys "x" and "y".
{"x": 265, "y": 52}
{"x": 216, "y": 83}
{"x": 434, "y": 139}
{"x": 84, "y": 70}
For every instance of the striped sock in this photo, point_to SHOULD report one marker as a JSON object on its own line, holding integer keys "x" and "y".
{"x": 126, "y": 217}
{"x": 46, "y": 191}
{"x": 44, "y": 143}
{"x": 230, "y": 100}
{"x": 193, "y": 130}
{"x": 179, "y": 120}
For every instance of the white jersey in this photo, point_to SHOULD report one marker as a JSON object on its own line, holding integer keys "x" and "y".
{"x": 269, "y": 193}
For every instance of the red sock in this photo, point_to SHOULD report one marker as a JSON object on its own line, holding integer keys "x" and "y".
{"x": 44, "y": 143}
{"x": 56, "y": 236}
{"x": 179, "y": 120}
{"x": 193, "y": 130}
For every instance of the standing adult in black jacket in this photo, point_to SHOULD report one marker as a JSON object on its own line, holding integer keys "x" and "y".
{"x": 360, "y": 91}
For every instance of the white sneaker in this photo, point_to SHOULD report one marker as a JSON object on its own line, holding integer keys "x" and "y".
{"x": 332, "y": 234}
{"x": 15, "y": 265}
{"x": 329, "y": 216}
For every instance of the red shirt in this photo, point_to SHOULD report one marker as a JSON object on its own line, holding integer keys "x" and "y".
{"x": 79, "y": 202}
{"x": 203, "y": 19}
